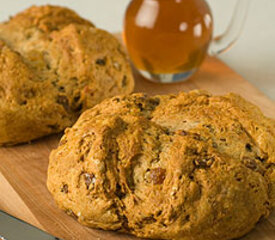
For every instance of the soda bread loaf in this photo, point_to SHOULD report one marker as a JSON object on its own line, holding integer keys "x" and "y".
{"x": 54, "y": 65}
{"x": 190, "y": 166}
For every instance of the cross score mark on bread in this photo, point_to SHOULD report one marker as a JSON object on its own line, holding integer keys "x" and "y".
{"x": 186, "y": 166}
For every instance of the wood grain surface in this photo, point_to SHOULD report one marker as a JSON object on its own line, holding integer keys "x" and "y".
{"x": 23, "y": 168}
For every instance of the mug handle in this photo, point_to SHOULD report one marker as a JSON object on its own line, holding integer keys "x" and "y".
{"x": 226, "y": 40}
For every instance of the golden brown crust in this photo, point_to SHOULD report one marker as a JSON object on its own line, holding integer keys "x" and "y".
{"x": 51, "y": 73}
{"x": 46, "y": 18}
{"x": 186, "y": 166}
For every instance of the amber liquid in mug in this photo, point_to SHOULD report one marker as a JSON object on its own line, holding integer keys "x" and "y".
{"x": 167, "y": 36}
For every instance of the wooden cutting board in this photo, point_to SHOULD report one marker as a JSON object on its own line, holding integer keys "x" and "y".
{"x": 23, "y": 191}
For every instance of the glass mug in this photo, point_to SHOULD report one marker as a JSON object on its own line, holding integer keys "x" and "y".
{"x": 167, "y": 40}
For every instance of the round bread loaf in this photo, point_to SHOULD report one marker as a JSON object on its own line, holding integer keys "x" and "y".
{"x": 54, "y": 65}
{"x": 190, "y": 166}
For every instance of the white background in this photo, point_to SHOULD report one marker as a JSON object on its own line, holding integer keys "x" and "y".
{"x": 253, "y": 56}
